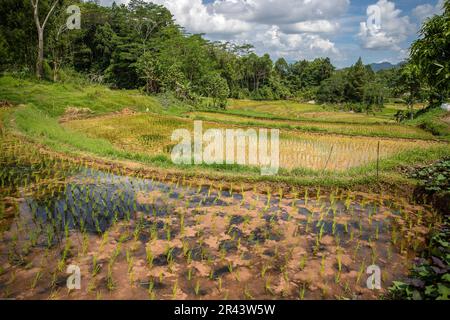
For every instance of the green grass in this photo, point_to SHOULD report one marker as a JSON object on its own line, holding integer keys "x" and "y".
{"x": 37, "y": 124}
{"x": 431, "y": 121}
{"x": 47, "y": 131}
{"x": 55, "y": 98}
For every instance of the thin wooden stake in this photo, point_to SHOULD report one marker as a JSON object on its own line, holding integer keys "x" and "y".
{"x": 378, "y": 161}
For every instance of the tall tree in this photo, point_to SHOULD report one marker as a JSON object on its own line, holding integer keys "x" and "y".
{"x": 316, "y": 71}
{"x": 282, "y": 68}
{"x": 374, "y": 95}
{"x": 40, "y": 32}
{"x": 333, "y": 89}
{"x": 408, "y": 84}
{"x": 357, "y": 78}
{"x": 431, "y": 54}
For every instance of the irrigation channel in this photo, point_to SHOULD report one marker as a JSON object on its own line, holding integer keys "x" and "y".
{"x": 143, "y": 238}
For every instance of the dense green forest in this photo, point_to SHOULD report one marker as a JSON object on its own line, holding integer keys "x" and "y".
{"x": 139, "y": 46}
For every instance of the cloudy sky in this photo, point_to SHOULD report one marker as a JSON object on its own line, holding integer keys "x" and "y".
{"x": 377, "y": 30}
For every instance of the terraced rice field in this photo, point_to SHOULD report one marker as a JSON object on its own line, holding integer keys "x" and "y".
{"x": 151, "y": 134}
{"x": 362, "y": 129}
{"x": 294, "y": 110}
{"x": 148, "y": 236}
{"x": 338, "y": 153}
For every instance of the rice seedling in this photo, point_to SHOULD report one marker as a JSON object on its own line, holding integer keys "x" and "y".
{"x": 99, "y": 296}
{"x": 150, "y": 291}
{"x": 105, "y": 238}
{"x": 110, "y": 283}
{"x": 149, "y": 257}
{"x": 394, "y": 235}
{"x": 247, "y": 293}
{"x": 95, "y": 266}
{"x": 62, "y": 261}
{"x": 339, "y": 260}
{"x": 175, "y": 289}
{"x": 130, "y": 260}
{"x": 197, "y": 288}
{"x": 324, "y": 291}
{"x": 322, "y": 266}
{"x": 230, "y": 267}
{"x": 361, "y": 271}
{"x": 189, "y": 257}
{"x": 53, "y": 294}
{"x": 301, "y": 292}
{"x": 36, "y": 278}
{"x": 337, "y": 278}
{"x": 374, "y": 255}
{"x": 84, "y": 245}
{"x": 225, "y": 296}
{"x": 303, "y": 261}
{"x": 264, "y": 269}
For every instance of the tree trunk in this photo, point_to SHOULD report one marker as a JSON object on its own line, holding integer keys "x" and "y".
{"x": 55, "y": 70}
{"x": 40, "y": 56}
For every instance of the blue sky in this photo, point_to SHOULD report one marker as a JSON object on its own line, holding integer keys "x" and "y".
{"x": 306, "y": 29}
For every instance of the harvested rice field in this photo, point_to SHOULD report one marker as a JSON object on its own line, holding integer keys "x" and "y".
{"x": 151, "y": 134}
{"x": 389, "y": 130}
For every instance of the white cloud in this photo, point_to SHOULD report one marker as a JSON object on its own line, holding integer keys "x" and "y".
{"x": 196, "y": 18}
{"x": 293, "y": 29}
{"x": 288, "y": 28}
{"x": 424, "y": 11}
{"x": 390, "y": 32}
{"x": 313, "y": 26}
{"x": 290, "y": 46}
{"x": 277, "y": 12}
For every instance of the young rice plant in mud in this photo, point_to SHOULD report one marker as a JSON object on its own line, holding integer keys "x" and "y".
{"x": 262, "y": 237}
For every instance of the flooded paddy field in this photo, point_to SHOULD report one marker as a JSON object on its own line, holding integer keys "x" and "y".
{"x": 148, "y": 237}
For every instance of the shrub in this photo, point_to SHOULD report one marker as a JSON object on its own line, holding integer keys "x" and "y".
{"x": 264, "y": 93}
{"x": 169, "y": 100}
{"x": 216, "y": 87}
{"x": 307, "y": 94}
{"x": 355, "y": 107}
{"x": 243, "y": 93}
{"x": 435, "y": 178}
{"x": 437, "y": 129}
{"x": 403, "y": 115}
{"x": 48, "y": 72}
{"x": 68, "y": 75}
{"x": 430, "y": 277}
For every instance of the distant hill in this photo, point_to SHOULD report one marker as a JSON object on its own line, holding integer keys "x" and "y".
{"x": 384, "y": 66}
